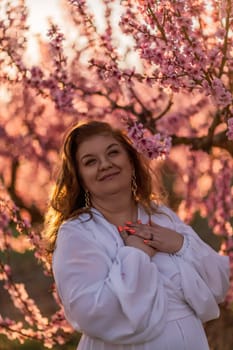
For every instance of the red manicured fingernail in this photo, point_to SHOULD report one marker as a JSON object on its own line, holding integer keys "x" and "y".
{"x": 128, "y": 222}
{"x": 130, "y": 230}
{"x": 120, "y": 228}
{"x": 146, "y": 241}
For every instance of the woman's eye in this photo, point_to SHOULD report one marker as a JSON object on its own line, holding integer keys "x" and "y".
{"x": 113, "y": 152}
{"x": 90, "y": 162}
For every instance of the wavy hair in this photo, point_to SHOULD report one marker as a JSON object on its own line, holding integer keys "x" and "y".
{"x": 68, "y": 195}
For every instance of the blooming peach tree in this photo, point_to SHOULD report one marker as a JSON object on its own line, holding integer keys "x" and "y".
{"x": 161, "y": 69}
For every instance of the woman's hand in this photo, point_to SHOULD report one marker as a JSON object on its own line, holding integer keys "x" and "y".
{"x": 136, "y": 242}
{"x": 158, "y": 237}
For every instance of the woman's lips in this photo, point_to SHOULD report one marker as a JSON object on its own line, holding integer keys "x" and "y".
{"x": 109, "y": 176}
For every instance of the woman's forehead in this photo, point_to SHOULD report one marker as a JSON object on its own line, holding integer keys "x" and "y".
{"x": 97, "y": 143}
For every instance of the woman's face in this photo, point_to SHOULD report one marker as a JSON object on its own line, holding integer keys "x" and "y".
{"x": 104, "y": 166}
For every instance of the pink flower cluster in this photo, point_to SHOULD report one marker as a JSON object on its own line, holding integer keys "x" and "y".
{"x": 180, "y": 49}
{"x": 230, "y": 129}
{"x": 151, "y": 146}
{"x": 12, "y": 48}
{"x": 13, "y": 27}
{"x": 220, "y": 95}
{"x": 61, "y": 90}
{"x": 219, "y": 202}
{"x": 35, "y": 325}
{"x": 227, "y": 248}
{"x": 10, "y": 216}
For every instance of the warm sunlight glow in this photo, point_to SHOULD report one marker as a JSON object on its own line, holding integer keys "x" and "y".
{"x": 40, "y": 12}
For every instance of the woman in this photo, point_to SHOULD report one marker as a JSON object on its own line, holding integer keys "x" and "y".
{"x": 130, "y": 274}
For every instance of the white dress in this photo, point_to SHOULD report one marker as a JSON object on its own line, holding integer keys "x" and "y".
{"x": 121, "y": 299}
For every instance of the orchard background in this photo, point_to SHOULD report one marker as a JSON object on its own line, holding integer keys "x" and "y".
{"x": 161, "y": 69}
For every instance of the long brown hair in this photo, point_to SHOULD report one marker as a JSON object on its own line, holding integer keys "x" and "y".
{"x": 68, "y": 196}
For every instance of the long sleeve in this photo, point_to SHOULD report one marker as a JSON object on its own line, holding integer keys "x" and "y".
{"x": 120, "y": 299}
{"x": 204, "y": 272}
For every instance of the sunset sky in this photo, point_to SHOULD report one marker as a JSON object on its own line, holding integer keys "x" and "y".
{"x": 40, "y": 11}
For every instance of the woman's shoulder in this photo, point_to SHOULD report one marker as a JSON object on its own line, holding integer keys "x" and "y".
{"x": 164, "y": 210}
{"x": 75, "y": 224}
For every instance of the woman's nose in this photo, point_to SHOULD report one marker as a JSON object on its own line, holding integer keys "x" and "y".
{"x": 104, "y": 163}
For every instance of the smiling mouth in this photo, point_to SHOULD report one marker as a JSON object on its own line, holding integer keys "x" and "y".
{"x": 108, "y": 177}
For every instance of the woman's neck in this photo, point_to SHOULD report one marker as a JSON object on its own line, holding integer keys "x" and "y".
{"x": 117, "y": 212}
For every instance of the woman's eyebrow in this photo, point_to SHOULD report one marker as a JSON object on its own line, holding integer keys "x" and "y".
{"x": 112, "y": 144}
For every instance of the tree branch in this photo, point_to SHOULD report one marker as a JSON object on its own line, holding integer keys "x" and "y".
{"x": 205, "y": 143}
{"x": 35, "y": 213}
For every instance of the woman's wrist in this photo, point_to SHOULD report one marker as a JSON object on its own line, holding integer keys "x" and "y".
{"x": 179, "y": 243}
{"x": 184, "y": 246}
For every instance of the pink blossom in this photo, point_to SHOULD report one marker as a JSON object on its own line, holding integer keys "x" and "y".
{"x": 219, "y": 201}
{"x": 150, "y": 146}
{"x": 230, "y": 129}
{"x": 36, "y": 77}
{"x": 221, "y": 96}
